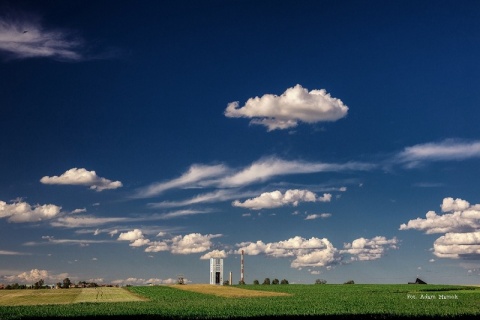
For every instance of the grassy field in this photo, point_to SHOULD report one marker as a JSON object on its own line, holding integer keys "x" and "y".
{"x": 330, "y": 301}
{"x": 41, "y": 297}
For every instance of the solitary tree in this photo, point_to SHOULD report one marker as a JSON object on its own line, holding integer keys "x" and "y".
{"x": 284, "y": 281}
{"x": 241, "y": 282}
{"x": 256, "y": 281}
{"x": 266, "y": 281}
{"x": 350, "y": 282}
{"x": 66, "y": 283}
{"x": 320, "y": 281}
{"x": 275, "y": 281}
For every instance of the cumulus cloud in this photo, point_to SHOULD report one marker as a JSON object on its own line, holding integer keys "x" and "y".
{"x": 459, "y": 223}
{"x": 217, "y": 254}
{"x": 462, "y": 218}
{"x": 157, "y": 246}
{"x": 186, "y": 244}
{"x": 35, "y": 275}
{"x": 277, "y": 199}
{"x": 313, "y": 252}
{"x": 192, "y": 243}
{"x": 23, "y": 212}
{"x": 131, "y": 235}
{"x": 443, "y": 151}
{"x": 450, "y": 204}
{"x": 25, "y": 37}
{"x": 295, "y": 105}
{"x": 458, "y": 245}
{"x": 136, "y": 238}
{"x": 82, "y": 177}
{"x": 369, "y": 249}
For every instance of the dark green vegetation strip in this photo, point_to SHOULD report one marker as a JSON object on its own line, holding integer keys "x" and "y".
{"x": 328, "y": 301}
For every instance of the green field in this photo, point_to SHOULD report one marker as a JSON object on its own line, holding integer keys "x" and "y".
{"x": 369, "y": 301}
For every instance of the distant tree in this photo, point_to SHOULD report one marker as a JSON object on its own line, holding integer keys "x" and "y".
{"x": 226, "y": 283}
{"x": 266, "y": 281}
{"x": 256, "y": 281}
{"x": 66, "y": 283}
{"x": 350, "y": 282}
{"x": 241, "y": 282}
{"x": 284, "y": 281}
{"x": 320, "y": 281}
{"x": 59, "y": 284}
{"x": 275, "y": 281}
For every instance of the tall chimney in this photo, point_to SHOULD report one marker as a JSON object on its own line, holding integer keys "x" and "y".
{"x": 242, "y": 269}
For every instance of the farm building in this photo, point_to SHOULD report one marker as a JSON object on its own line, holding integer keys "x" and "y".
{"x": 418, "y": 281}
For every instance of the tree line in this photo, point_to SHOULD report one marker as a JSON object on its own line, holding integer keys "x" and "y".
{"x": 40, "y": 284}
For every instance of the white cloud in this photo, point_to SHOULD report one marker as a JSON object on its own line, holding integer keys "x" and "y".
{"x": 187, "y": 244}
{"x": 131, "y": 235}
{"x": 11, "y": 253}
{"x": 369, "y": 249}
{"x": 181, "y": 213}
{"x": 79, "y": 211}
{"x": 313, "y": 252}
{"x": 209, "y": 197}
{"x": 136, "y": 238}
{"x": 464, "y": 218}
{"x": 217, "y": 254}
{"x": 192, "y": 243}
{"x": 276, "y": 199}
{"x": 157, "y": 246}
{"x": 195, "y": 174}
{"x": 25, "y": 37}
{"x": 139, "y": 243}
{"x": 78, "y": 221}
{"x": 458, "y": 245}
{"x": 450, "y": 204}
{"x": 295, "y": 105}
{"x": 460, "y": 225}
{"x": 318, "y": 216}
{"x": 221, "y": 176}
{"x": 267, "y": 168}
{"x": 24, "y": 212}
{"x": 82, "y": 177}
{"x": 34, "y": 275}
{"x": 443, "y": 151}
{"x": 53, "y": 241}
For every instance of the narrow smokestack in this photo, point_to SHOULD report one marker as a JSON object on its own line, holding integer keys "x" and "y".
{"x": 230, "y": 282}
{"x": 242, "y": 269}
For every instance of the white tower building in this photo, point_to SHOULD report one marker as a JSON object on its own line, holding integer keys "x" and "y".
{"x": 216, "y": 271}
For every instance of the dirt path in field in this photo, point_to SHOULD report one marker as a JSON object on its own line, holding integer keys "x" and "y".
{"x": 228, "y": 291}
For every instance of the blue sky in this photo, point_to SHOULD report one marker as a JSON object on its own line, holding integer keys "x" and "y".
{"x": 327, "y": 139}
